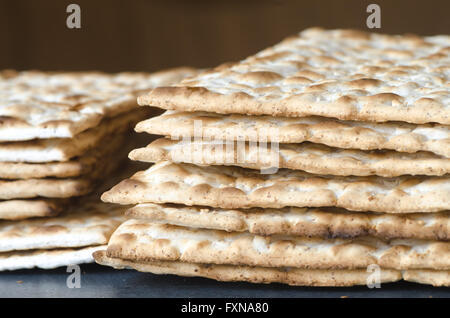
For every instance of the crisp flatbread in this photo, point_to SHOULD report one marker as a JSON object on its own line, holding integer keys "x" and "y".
{"x": 254, "y": 274}
{"x": 90, "y": 222}
{"x": 60, "y": 188}
{"x": 345, "y": 74}
{"x": 63, "y": 149}
{"x": 86, "y": 221}
{"x": 116, "y": 145}
{"x": 430, "y": 277}
{"x": 235, "y": 187}
{"x": 312, "y": 158}
{"x": 47, "y": 259}
{"x": 24, "y": 209}
{"x": 69, "y": 187}
{"x": 19, "y": 209}
{"x": 306, "y": 222}
{"x": 397, "y": 136}
{"x": 290, "y": 276}
{"x": 141, "y": 240}
{"x": 83, "y": 165}
{"x": 61, "y": 105}
{"x": 49, "y": 188}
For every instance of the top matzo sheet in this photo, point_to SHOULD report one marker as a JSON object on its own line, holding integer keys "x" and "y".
{"x": 51, "y": 105}
{"x": 345, "y": 74}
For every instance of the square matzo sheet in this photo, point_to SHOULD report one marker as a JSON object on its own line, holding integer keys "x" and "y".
{"x": 37, "y": 104}
{"x": 345, "y": 74}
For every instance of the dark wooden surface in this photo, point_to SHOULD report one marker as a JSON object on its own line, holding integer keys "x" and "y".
{"x": 140, "y": 35}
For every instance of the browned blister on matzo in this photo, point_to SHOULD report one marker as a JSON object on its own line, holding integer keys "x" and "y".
{"x": 61, "y": 105}
{"x": 235, "y": 187}
{"x": 397, "y": 136}
{"x": 345, "y": 74}
{"x": 141, "y": 240}
{"x": 312, "y": 158}
{"x": 306, "y": 222}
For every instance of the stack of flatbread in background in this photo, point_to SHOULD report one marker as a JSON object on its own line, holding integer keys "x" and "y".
{"x": 63, "y": 137}
{"x": 321, "y": 161}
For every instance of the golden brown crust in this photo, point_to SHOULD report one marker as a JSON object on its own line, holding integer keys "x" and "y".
{"x": 397, "y": 136}
{"x": 326, "y": 73}
{"x": 234, "y": 187}
{"x": 306, "y": 222}
{"x": 141, "y": 240}
{"x": 312, "y": 158}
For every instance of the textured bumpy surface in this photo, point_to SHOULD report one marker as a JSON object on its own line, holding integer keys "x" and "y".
{"x": 346, "y": 74}
{"x": 23, "y": 209}
{"x": 312, "y": 158}
{"x": 306, "y": 222}
{"x": 292, "y": 276}
{"x": 88, "y": 223}
{"x": 397, "y": 136}
{"x": 51, "y": 105}
{"x": 47, "y": 259}
{"x": 141, "y": 240}
{"x": 63, "y": 149}
{"x": 235, "y": 187}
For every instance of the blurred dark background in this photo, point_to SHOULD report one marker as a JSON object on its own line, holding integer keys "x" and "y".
{"x": 138, "y": 35}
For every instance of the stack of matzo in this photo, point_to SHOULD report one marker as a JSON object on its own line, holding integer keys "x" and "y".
{"x": 362, "y": 121}
{"x": 61, "y": 136}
